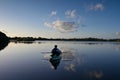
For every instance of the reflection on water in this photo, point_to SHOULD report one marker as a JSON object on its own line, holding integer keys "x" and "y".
{"x": 25, "y": 42}
{"x": 71, "y": 55}
{"x": 78, "y": 61}
{"x": 117, "y": 47}
{"x": 95, "y": 74}
{"x": 3, "y": 45}
{"x": 55, "y": 61}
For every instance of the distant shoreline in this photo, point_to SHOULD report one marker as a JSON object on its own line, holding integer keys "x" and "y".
{"x": 62, "y": 39}
{"x": 4, "y": 38}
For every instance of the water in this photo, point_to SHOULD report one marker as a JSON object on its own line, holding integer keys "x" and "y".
{"x": 79, "y": 61}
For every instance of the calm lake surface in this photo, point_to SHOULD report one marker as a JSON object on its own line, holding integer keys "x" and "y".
{"x": 79, "y": 61}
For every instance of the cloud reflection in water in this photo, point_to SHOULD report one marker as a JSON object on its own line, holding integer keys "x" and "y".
{"x": 77, "y": 62}
{"x": 74, "y": 59}
{"x": 96, "y": 74}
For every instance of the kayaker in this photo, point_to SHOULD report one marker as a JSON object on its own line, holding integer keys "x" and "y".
{"x": 56, "y": 51}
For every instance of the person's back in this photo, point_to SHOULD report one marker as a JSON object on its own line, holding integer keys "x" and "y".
{"x": 56, "y": 51}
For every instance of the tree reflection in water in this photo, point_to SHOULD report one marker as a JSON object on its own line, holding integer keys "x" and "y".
{"x": 76, "y": 60}
{"x": 3, "y": 45}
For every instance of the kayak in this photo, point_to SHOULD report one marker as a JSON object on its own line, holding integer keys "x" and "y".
{"x": 54, "y": 57}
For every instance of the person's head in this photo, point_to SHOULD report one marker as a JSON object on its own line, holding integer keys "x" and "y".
{"x": 55, "y": 46}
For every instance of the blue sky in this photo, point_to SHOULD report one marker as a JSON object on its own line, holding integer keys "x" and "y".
{"x": 60, "y": 18}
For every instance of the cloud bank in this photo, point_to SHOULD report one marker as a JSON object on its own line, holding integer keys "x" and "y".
{"x": 65, "y": 26}
{"x": 70, "y": 20}
{"x": 62, "y": 26}
{"x": 70, "y": 23}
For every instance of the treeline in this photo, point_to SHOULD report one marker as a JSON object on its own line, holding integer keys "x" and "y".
{"x": 3, "y": 37}
{"x": 26, "y": 38}
{"x": 4, "y": 40}
{"x": 118, "y": 40}
{"x": 60, "y": 39}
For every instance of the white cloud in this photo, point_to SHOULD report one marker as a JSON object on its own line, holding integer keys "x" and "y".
{"x": 70, "y": 13}
{"x": 70, "y": 24}
{"x": 96, "y": 7}
{"x": 53, "y": 13}
{"x": 117, "y": 33}
{"x": 62, "y": 26}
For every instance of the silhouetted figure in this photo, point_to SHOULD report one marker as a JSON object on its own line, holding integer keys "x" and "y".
{"x": 55, "y": 57}
{"x": 56, "y": 51}
{"x": 55, "y": 61}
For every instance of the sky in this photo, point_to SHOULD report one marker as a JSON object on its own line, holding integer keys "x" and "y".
{"x": 60, "y": 18}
